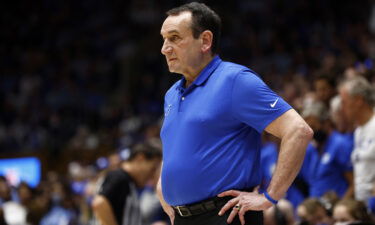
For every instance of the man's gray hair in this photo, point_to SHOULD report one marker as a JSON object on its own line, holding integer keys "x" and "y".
{"x": 359, "y": 86}
{"x": 334, "y": 105}
{"x": 316, "y": 109}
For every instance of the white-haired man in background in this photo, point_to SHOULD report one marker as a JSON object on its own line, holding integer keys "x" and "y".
{"x": 358, "y": 100}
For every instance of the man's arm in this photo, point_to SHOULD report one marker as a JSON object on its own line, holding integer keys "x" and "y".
{"x": 167, "y": 208}
{"x": 295, "y": 135}
{"x": 103, "y": 210}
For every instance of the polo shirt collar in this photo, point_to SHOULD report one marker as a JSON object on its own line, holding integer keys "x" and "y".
{"x": 207, "y": 71}
{"x": 203, "y": 75}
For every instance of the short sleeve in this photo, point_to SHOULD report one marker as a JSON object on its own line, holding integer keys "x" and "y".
{"x": 254, "y": 103}
{"x": 114, "y": 186}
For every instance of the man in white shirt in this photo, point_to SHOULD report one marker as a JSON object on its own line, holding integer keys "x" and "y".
{"x": 358, "y": 101}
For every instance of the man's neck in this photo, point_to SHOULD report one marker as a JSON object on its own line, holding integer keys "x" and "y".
{"x": 190, "y": 78}
{"x": 365, "y": 116}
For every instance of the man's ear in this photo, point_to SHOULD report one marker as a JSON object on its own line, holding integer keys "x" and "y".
{"x": 206, "y": 38}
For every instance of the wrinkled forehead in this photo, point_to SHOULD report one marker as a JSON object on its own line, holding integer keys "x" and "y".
{"x": 176, "y": 24}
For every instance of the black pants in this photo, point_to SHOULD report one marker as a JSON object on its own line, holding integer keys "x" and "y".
{"x": 212, "y": 218}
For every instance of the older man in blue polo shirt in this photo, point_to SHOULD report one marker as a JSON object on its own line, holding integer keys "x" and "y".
{"x": 211, "y": 134}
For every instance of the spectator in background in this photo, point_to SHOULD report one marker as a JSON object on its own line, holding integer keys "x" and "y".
{"x": 358, "y": 100}
{"x": 280, "y": 214}
{"x": 5, "y": 191}
{"x": 61, "y": 207}
{"x": 6, "y": 201}
{"x": 117, "y": 201}
{"x": 345, "y": 128}
{"x": 329, "y": 167}
{"x": 324, "y": 89}
{"x": 312, "y": 212}
{"x": 351, "y": 212}
{"x": 25, "y": 194}
{"x": 15, "y": 206}
{"x": 329, "y": 200}
{"x": 341, "y": 124}
{"x": 14, "y": 213}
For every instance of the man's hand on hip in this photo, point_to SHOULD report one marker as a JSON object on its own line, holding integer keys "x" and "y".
{"x": 242, "y": 202}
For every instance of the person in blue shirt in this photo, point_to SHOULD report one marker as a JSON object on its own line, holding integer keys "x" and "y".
{"x": 211, "y": 133}
{"x": 329, "y": 167}
{"x": 343, "y": 127}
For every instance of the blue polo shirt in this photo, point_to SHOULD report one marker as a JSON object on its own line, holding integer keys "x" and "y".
{"x": 211, "y": 132}
{"x": 327, "y": 170}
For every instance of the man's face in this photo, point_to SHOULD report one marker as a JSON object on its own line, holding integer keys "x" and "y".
{"x": 323, "y": 90}
{"x": 349, "y": 104}
{"x": 315, "y": 218}
{"x": 319, "y": 217}
{"x": 342, "y": 123}
{"x": 338, "y": 119}
{"x": 181, "y": 50}
{"x": 341, "y": 214}
{"x": 148, "y": 168}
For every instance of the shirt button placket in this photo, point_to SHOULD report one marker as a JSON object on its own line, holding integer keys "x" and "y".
{"x": 180, "y": 105}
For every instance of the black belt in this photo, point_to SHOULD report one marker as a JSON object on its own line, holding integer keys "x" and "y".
{"x": 203, "y": 206}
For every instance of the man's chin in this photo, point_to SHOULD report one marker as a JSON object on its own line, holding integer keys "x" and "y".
{"x": 172, "y": 70}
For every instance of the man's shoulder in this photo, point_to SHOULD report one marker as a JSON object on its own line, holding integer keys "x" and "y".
{"x": 118, "y": 174}
{"x": 234, "y": 68}
{"x": 113, "y": 181}
{"x": 230, "y": 72}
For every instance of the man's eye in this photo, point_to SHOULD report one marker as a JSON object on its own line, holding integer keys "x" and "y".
{"x": 174, "y": 38}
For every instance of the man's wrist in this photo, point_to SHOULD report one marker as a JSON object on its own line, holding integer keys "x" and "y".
{"x": 269, "y": 198}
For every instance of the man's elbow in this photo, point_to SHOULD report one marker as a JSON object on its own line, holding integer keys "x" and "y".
{"x": 305, "y": 132}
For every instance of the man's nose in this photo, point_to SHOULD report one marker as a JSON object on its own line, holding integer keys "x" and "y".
{"x": 166, "y": 48}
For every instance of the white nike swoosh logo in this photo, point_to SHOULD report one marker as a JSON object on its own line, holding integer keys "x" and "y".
{"x": 274, "y": 103}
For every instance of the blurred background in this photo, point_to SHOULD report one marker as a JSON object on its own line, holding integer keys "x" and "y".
{"x": 82, "y": 81}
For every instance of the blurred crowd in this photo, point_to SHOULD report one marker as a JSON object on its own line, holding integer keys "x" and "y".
{"x": 88, "y": 76}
